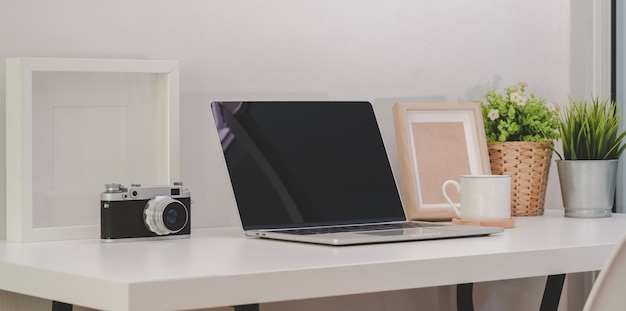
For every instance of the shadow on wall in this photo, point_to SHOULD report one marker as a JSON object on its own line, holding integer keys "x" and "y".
{"x": 478, "y": 91}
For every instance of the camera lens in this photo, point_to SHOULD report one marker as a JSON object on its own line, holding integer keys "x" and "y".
{"x": 164, "y": 215}
{"x": 175, "y": 216}
{"x": 171, "y": 216}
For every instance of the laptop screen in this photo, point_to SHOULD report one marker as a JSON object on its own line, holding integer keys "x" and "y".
{"x": 295, "y": 164}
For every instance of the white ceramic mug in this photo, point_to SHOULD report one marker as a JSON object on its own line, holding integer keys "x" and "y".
{"x": 483, "y": 197}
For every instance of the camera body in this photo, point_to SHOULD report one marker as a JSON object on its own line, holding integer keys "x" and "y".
{"x": 158, "y": 212}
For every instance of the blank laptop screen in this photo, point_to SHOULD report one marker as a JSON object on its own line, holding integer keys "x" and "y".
{"x": 294, "y": 164}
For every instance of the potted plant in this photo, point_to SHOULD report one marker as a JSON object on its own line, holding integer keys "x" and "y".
{"x": 520, "y": 130}
{"x": 592, "y": 145}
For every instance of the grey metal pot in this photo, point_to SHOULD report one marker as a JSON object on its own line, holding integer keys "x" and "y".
{"x": 587, "y": 187}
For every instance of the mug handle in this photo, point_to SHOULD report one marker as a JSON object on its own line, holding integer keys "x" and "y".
{"x": 458, "y": 190}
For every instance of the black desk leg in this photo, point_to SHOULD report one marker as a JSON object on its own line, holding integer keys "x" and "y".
{"x": 252, "y": 307}
{"x": 552, "y": 292}
{"x": 549, "y": 302}
{"x": 464, "y": 297}
{"x": 61, "y": 306}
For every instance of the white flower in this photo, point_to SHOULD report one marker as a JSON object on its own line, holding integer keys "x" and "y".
{"x": 518, "y": 99}
{"x": 515, "y": 96}
{"x": 493, "y": 114}
{"x": 552, "y": 107}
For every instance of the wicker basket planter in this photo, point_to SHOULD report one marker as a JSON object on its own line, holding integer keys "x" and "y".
{"x": 528, "y": 164}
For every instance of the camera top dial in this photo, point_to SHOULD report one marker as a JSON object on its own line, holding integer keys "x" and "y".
{"x": 114, "y": 188}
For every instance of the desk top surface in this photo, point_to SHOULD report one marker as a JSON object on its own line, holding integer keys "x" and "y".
{"x": 221, "y": 267}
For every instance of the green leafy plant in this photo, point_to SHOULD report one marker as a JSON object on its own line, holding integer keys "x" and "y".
{"x": 589, "y": 130}
{"x": 514, "y": 116}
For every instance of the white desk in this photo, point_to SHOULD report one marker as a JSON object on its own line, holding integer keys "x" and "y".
{"x": 220, "y": 267}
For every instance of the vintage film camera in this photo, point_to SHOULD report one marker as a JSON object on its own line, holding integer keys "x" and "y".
{"x": 158, "y": 212}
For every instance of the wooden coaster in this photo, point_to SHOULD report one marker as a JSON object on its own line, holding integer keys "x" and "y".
{"x": 503, "y": 223}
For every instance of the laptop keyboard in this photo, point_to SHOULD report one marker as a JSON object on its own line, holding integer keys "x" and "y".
{"x": 357, "y": 228}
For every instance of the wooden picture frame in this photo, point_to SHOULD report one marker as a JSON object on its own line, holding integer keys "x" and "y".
{"x": 437, "y": 142}
{"x": 73, "y": 125}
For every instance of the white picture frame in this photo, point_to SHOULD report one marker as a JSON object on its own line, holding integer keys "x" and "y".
{"x": 48, "y": 144}
{"x": 437, "y": 142}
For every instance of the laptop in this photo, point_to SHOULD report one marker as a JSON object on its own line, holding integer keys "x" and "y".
{"x": 317, "y": 172}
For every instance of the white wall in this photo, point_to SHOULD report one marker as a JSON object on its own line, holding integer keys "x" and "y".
{"x": 381, "y": 51}
{"x": 378, "y": 50}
